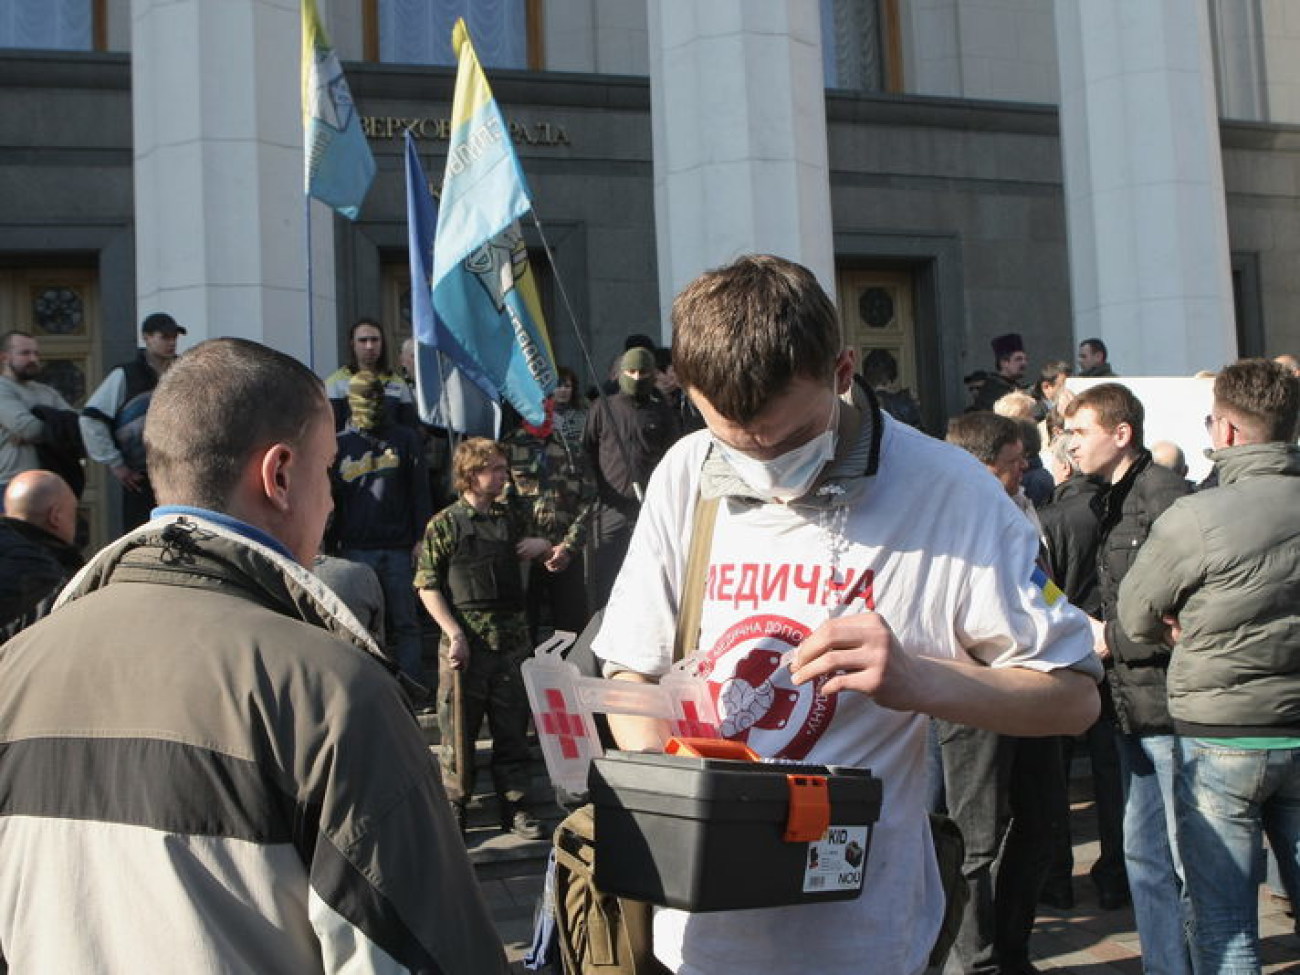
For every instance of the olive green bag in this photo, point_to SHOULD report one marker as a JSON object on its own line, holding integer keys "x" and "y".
{"x": 599, "y": 933}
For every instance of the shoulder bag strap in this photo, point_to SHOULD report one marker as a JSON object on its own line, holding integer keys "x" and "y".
{"x": 697, "y": 565}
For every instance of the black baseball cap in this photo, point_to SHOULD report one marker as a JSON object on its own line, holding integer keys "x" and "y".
{"x": 160, "y": 321}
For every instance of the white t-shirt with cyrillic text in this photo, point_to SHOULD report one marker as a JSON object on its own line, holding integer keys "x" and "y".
{"x": 935, "y": 546}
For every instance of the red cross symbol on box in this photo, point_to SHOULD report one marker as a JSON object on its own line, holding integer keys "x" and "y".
{"x": 689, "y": 724}
{"x": 562, "y": 723}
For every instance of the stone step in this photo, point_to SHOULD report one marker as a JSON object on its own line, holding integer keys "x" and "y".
{"x": 492, "y": 850}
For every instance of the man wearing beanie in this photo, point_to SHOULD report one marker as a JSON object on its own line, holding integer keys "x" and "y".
{"x": 626, "y": 435}
{"x": 381, "y": 505}
{"x": 1010, "y": 363}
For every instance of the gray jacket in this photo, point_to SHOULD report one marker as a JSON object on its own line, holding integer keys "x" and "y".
{"x": 207, "y": 767}
{"x": 1226, "y": 563}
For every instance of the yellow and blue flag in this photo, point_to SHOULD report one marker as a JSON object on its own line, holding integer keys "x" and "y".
{"x": 451, "y": 391}
{"x": 483, "y": 286}
{"x": 339, "y": 166}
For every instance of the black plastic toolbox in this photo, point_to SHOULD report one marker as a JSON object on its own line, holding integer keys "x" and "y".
{"x": 710, "y": 834}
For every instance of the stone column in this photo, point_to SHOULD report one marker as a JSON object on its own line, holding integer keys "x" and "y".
{"x": 219, "y": 174}
{"x": 739, "y": 124}
{"x": 1150, "y": 268}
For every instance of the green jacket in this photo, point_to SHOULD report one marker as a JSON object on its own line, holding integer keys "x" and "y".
{"x": 1226, "y": 563}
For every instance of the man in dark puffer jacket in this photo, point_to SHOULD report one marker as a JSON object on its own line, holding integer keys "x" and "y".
{"x": 1105, "y": 426}
{"x": 1218, "y": 579}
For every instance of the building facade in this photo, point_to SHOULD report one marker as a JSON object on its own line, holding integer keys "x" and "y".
{"x": 985, "y": 169}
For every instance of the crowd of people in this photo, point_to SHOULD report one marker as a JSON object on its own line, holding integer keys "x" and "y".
{"x": 960, "y": 617}
{"x": 1191, "y": 592}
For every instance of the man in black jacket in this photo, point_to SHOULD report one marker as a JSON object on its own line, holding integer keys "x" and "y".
{"x": 1071, "y": 534}
{"x": 1010, "y": 363}
{"x": 37, "y": 556}
{"x": 626, "y": 436}
{"x": 112, "y": 421}
{"x": 1105, "y": 427}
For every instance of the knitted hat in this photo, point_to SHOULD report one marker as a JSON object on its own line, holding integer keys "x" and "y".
{"x": 639, "y": 358}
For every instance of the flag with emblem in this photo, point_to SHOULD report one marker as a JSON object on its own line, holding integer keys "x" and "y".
{"x": 451, "y": 391}
{"x": 338, "y": 163}
{"x": 483, "y": 284}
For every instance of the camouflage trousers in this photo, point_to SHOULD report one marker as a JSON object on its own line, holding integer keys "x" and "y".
{"x": 490, "y": 686}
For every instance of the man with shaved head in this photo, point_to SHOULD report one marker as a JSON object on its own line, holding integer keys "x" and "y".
{"x": 37, "y": 555}
{"x": 1168, "y": 454}
{"x": 207, "y": 764}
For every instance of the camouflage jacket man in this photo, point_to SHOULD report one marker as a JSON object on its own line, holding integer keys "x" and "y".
{"x": 502, "y": 627}
{"x": 553, "y": 474}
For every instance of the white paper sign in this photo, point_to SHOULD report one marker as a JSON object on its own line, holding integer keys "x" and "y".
{"x": 837, "y": 860}
{"x": 1175, "y": 410}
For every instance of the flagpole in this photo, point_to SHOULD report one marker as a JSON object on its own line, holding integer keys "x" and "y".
{"x": 311, "y": 298}
{"x": 637, "y": 488}
{"x": 568, "y": 306}
{"x": 443, "y": 396}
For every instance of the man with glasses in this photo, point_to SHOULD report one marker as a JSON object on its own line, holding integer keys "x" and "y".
{"x": 1217, "y": 580}
{"x": 861, "y": 577}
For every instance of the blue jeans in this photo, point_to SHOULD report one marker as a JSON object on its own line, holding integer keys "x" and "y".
{"x": 1226, "y": 799}
{"x": 1155, "y": 872}
{"x": 401, "y": 612}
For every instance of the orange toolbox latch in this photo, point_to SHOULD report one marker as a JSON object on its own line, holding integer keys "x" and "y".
{"x": 809, "y": 814}
{"x": 810, "y": 808}
{"x": 711, "y": 748}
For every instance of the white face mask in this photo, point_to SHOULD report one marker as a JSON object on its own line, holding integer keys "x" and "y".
{"x": 791, "y": 474}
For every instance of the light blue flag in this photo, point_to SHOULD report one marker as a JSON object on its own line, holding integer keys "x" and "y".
{"x": 483, "y": 286}
{"x": 451, "y": 390}
{"x": 338, "y": 163}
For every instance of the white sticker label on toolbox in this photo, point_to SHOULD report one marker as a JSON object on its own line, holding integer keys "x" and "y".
{"x": 836, "y": 861}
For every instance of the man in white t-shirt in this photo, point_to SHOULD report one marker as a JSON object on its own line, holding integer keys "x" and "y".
{"x": 861, "y": 577}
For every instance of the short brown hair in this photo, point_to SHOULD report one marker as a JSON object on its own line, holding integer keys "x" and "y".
{"x": 471, "y": 457}
{"x": 1262, "y": 396}
{"x": 1114, "y": 403}
{"x": 983, "y": 434}
{"x": 214, "y": 407}
{"x": 742, "y": 332}
{"x": 1055, "y": 368}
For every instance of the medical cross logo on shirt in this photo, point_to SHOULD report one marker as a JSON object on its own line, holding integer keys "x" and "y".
{"x": 747, "y": 671}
